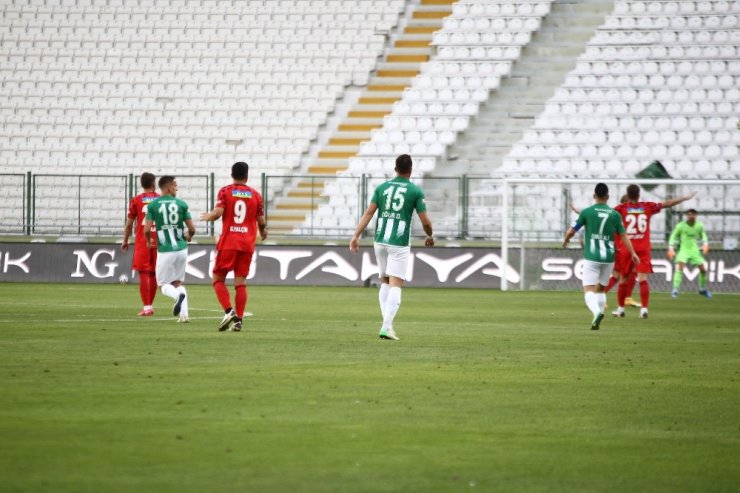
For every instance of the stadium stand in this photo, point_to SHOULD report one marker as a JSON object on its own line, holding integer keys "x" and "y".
{"x": 523, "y": 88}
{"x": 658, "y": 81}
{"x": 101, "y": 86}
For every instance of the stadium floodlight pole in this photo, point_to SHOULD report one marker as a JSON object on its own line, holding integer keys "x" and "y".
{"x": 581, "y": 181}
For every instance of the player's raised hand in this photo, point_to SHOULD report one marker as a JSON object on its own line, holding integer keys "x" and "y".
{"x": 671, "y": 253}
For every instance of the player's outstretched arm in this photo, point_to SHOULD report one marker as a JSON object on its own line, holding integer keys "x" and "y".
{"x": 215, "y": 214}
{"x": 574, "y": 208}
{"x": 678, "y": 200}
{"x": 426, "y": 223}
{"x": 354, "y": 243}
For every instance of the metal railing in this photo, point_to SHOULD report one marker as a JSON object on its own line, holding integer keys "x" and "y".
{"x": 465, "y": 207}
{"x": 82, "y": 205}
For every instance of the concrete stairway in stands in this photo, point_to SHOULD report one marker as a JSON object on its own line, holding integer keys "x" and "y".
{"x": 541, "y": 69}
{"x": 401, "y": 63}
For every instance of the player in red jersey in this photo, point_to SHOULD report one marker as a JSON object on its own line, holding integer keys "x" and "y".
{"x": 145, "y": 259}
{"x": 636, "y": 216}
{"x": 241, "y": 209}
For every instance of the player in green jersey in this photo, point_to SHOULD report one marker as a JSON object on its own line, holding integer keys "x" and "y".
{"x": 685, "y": 237}
{"x": 395, "y": 200}
{"x": 170, "y": 215}
{"x": 601, "y": 223}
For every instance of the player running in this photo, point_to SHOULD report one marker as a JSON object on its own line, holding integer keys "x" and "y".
{"x": 614, "y": 278}
{"x": 685, "y": 237}
{"x": 636, "y": 216}
{"x": 170, "y": 215}
{"x": 395, "y": 200}
{"x": 601, "y": 223}
{"x": 242, "y": 212}
{"x": 145, "y": 258}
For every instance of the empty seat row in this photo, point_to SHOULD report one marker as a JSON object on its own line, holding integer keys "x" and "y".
{"x": 722, "y": 97}
{"x": 504, "y": 8}
{"x": 624, "y": 151}
{"x": 727, "y": 21}
{"x": 479, "y": 53}
{"x": 443, "y": 95}
{"x": 388, "y": 149}
{"x": 556, "y": 120}
{"x": 666, "y": 36}
{"x": 676, "y": 7}
{"x": 423, "y": 123}
{"x": 634, "y": 137}
{"x": 675, "y": 52}
{"x": 655, "y": 81}
{"x": 634, "y": 109}
{"x": 664, "y": 67}
{"x": 513, "y": 38}
{"x": 492, "y": 24}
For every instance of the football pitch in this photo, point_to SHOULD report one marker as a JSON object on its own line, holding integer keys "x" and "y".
{"x": 486, "y": 391}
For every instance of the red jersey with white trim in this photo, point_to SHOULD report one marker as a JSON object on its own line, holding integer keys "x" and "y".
{"x": 242, "y": 206}
{"x": 137, "y": 210}
{"x": 636, "y": 217}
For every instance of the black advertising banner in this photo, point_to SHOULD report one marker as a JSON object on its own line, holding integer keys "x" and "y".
{"x": 535, "y": 268}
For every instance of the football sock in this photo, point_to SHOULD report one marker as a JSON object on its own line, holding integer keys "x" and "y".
{"x": 601, "y": 299}
{"x": 631, "y": 280}
{"x": 184, "y": 306}
{"x": 612, "y": 281}
{"x": 392, "y": 304}
{"x": 383, "y": 297}
{"x": 621, "y": 293}
{"x": 222, "y": 293}
{"x": 644, "y": 293}
{"x": 677, "y": 276}
{"x": 144, "y": 287}
{"x": 240, "y": 299}
{"x": 702, "y": 280}
{"x": 152, "y": 287}
{"x": 592, "y": 302}
{"x": 171, "y": 291}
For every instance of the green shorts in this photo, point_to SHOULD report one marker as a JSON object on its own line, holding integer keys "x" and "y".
{"x": 690, "y": 257}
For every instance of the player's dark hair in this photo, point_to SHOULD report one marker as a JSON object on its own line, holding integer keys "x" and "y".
{"x": 633, "y": 192}
{"x": 601, "y": 190}
{"x": 165, "y": 180}
{"x": 403, "y": 164}
{"x": 691, "y": 211}
{"x": 240, "y": 171}
{"x": 147, "y": 180}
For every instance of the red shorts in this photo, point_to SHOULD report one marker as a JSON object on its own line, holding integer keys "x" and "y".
{"x": 624, "y": 265}
{"x": 232, "y": 260}
{"x": 145, "y": 259}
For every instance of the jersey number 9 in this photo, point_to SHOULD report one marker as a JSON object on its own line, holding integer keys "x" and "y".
{"x": 240, "y": 211}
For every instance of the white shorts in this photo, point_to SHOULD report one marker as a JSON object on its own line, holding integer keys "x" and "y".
{"x": 171, "y": 266}
{"x": 392, "y": 260}
{"x": 596, "y": 273}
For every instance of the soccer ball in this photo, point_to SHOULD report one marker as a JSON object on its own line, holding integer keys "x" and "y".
{"x": 123, "y": 279}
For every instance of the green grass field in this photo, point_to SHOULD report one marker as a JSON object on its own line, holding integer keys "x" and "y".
{"x": 486, "y": 391}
